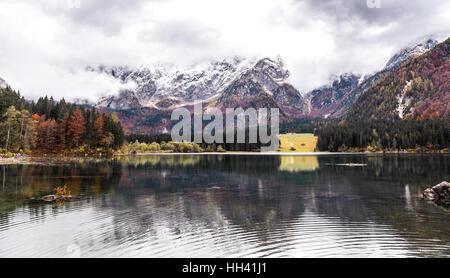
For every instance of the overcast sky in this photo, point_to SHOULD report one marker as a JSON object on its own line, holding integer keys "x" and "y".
{"x": 45, "y": 45}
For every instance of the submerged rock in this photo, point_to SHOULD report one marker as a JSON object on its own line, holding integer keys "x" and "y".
{"x": 439, "y": 193}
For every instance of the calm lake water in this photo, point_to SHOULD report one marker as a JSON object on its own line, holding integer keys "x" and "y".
{"x": 226, "y": 206}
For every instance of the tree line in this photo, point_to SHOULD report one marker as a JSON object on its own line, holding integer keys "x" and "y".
{"x": 304, "y": 125}
{"x": 164, "y": 138}
{"x": 54, "y": 126}
{"x": 378, "y": 135}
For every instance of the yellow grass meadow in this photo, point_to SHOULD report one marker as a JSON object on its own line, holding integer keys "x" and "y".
{"x": 297, "y": 142}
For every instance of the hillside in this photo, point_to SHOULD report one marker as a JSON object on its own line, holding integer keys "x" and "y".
{"x": 419, "y": 88}
{"x": 334, "y": 100}
{"x": 411, "y": 85}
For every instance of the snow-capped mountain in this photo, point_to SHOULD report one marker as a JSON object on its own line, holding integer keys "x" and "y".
{"x": 239, "y": 82}
{"x": 336, "y": 99}
{"x": 410, "y": 51}
{"x": 263, "y": 85}
{"x": 3, "y": 84}
{"x": 166, "y": 86}
{"x": 417, "y": 89}
{"x": 325, "y": 101}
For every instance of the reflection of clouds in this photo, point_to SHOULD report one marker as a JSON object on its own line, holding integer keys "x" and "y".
{"x": 164, "y": 174}
{"x": 338, "y": 238}
{"x": 240, "y": 207}
{"x": 408, "y": 198}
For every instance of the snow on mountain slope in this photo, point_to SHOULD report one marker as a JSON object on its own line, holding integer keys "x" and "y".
{"x": 336, "y": 99}
{"x": 245, "y": 82}
{"x": 165, "y": 86}
{"x": 419, "y": 88}
{"x": 410, "y": 51}
{"x": 324, "y": 101}
{"x": 264, "y": 85}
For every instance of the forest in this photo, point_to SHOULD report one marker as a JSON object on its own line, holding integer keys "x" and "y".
{"x": 59, "y": 127}
{"x": 385, "y": 135}
{"x": 49, "y": 126}
{"x": 164, "y": 138}
{"x": 304, "y": 125}
{"x": 422, "y": 83}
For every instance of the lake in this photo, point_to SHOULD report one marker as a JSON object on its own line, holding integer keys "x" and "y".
{"x": 226, "y": 206}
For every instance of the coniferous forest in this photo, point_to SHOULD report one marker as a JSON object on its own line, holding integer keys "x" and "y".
{"x": 49, "y": 126}
{"x": 385, "y": 135}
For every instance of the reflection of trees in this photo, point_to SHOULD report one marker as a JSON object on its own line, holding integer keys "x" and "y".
{"x": 429, "y": 168}
{"x": 84, "y": 179}
{"x": 254, "y": 194}
{"x": 213, "y": 192}
{"x": 386, "y": 192}
{"x": 190, "y": 194}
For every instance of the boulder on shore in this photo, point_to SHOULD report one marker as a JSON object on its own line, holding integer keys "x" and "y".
{"x": 439, "y": 193}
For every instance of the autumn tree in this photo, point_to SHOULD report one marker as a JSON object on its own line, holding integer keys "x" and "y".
{"x": 99, "y": 131}
{"x": 46, "y": 125}
{"x": 76, "y": 128}
{"x": 47, "y": 133}
{"x": 61, "y": 131}
{"x": 33, "y": 131}
{"x": 51, "y": 134}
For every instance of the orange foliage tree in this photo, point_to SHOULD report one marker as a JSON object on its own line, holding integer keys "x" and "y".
{"x": 99, "y": 131}
{"x": 76, "y": 127}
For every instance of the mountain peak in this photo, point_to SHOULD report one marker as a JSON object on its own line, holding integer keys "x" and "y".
{"x": 414, "y": 50}
{"x": 168, "y": 86}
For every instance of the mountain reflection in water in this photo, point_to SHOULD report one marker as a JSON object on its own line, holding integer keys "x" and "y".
{"x": 227, "y": 206}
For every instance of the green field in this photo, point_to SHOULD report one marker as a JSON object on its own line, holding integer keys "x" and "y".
{"x": 297, "y": 142}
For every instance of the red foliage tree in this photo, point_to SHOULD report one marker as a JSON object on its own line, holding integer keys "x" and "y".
{"x": 46, "y": 133}
{"x": 62, "y": 134}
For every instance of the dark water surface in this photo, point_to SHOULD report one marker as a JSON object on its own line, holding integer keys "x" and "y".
{"x": 227, "y": 206}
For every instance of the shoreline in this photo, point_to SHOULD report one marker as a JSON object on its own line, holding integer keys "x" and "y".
{"x": 30, "y": 159}
{"x": 14, "y": 160}
{"x": 280, "y": 153}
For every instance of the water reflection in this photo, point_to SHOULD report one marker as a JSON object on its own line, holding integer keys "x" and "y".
{"x": 221, "y": 205}
{"x": 298, "y": 163}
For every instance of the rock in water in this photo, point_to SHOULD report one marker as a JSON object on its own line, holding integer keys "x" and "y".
{"x": 54, "y": 198}
{"x": 49, "y": 198}
{"x": 439, "y": 193}
{"x": 443, "y": 190}
{"x": 430, "y": 195}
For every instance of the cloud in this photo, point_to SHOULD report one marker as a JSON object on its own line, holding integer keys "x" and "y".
{"x": 46, "y": 49}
